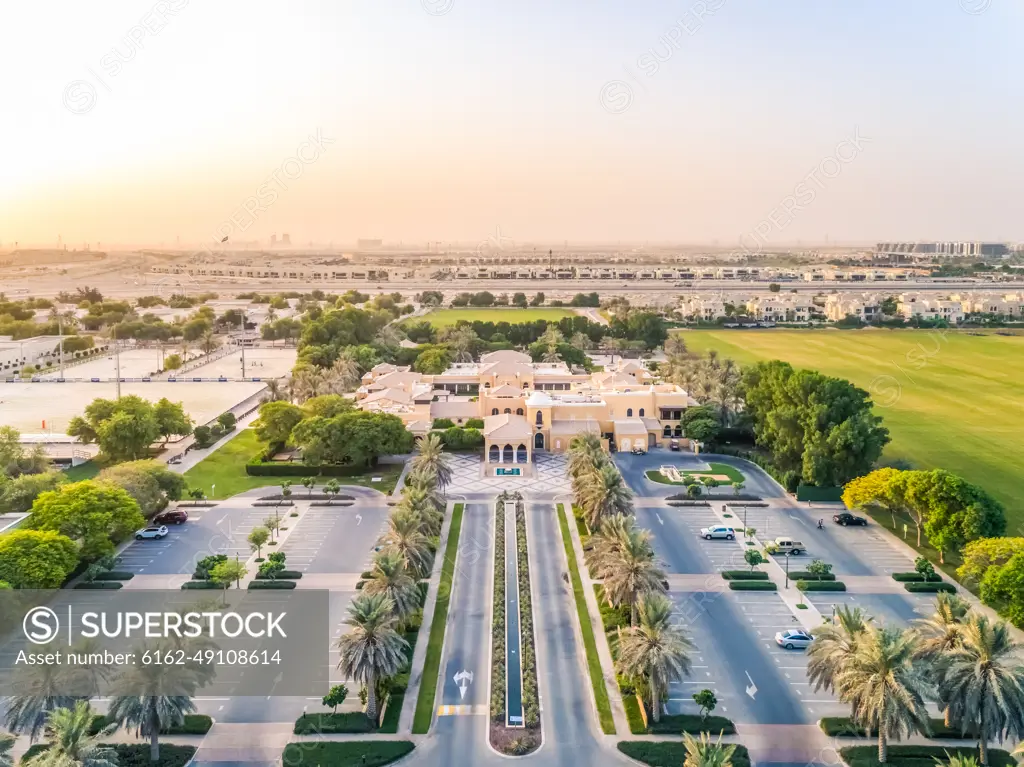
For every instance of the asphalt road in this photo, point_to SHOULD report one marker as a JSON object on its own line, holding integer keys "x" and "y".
{"x": 513, "y": 640}
{"x": 336, "y": 539}
{"x": 634, "y": 468}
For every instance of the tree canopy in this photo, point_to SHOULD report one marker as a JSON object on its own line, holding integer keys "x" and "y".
{"x": 36, "y": 559}
{"x": 351, "y": 438}
{"x": 125, "y": 428}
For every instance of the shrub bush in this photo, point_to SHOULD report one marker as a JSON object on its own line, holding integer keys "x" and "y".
{"x": 803, "y": 575}
{"x": 286, "y": 575}
{"x": 821, "y": 585}
{"x": 474, "y": 423}
{"x": 671, "y": 753}
{"x": 100, "y": 586}
{"x": 349, "y": 721}
{"x": 254, "y": 585}
{"x": 443, "y": 423}
{"x": 915, "y": 577}
{"x": 744, "y": 575}
{"x": 114, "y": 575}
{"x": 931, "y": 587}
{"x": 752, "y": 586}
{"x": 350, "y": 753}
{"x": 198, "y": 585}
{"x": 919, "y": 756}
{"x": 673, "y": 724}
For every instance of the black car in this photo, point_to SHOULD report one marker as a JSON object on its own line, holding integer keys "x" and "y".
{"x": 846, "y": 518}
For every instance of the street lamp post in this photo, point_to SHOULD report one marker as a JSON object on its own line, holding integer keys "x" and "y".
{"x": 787, "y": 569}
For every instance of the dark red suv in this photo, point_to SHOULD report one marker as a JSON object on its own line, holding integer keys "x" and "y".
{"x": 175, "y": 517}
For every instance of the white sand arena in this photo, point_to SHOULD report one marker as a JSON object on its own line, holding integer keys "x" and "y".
{"x": 26, "y": 405}
{"x": 260, "y": 362}
{"x": 135, "y": 363}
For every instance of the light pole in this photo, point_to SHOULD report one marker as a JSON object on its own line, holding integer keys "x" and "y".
{"x": 243, "y": 344}
{"x": 117, "y": 366}
{"x": 787, "y": 569}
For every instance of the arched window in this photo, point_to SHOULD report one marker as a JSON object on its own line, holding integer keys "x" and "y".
{"x": 508, "y": 411}
{"x": 641, "y": 412}
{"x": 519, "y": 411}
{"x": 494, "y": 455}
{"x": 494, "y": 411}
{"x": 540, "y": 418}
{"x": 538, "y": 441}
{"x": 679, "y": 431}
{"x": 508, "y": 455}
{"x": 668, "y": 431}
{"x": 521, "y": 454}
{"x": 629, "y": 412}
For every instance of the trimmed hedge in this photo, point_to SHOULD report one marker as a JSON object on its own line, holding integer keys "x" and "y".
{"x": 672, "y": 754}
{"x": 744, "y": 575}
{"x": 673, "y": 724}
{"x": 349, "y": 753}
{"x": 135, "y": 754}
{"x": 929, "y": 588}
{"x": 100, "y": 586}
{"x": 194, "y": 724}
{"x": 821, "y": 585}
{"x": 915, "y": 577}
{"x": 919, "y": 756}
{"x": 803, "y": 575}
{"x": 199, "y": 585}
{"x": 843, "y": 726}
{"x": 114, "y": 575}
{"x": 284, "y": 575}
{"x": 349, "y": 721}
{"x": 273, "y": 469}
{"x": 753, "y": 586}
{"x": 255, "y": 585}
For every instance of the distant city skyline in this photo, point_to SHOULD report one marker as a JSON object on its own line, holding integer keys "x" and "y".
{"x": 660, "y": 122}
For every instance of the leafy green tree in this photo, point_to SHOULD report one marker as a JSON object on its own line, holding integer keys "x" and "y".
{"x": 97, "y": 514}
{"x": 153, "y": 697}
{"x": 707, "y": 701}
{"x": 885, "y": 685}
{"x": 753, "y": 558}
{"x": 655, "y": 650}
{"x": 331, "y": 489}
{"x": 819, "y": 567}
{"x": 519, "y": 300}
{"x": 17, "y": 495}
{"x": 149, "y": 482}
{"x": 372, "y": 649}
{"x": 923, "y": 567}
{"x": 335, "y": 697}
{"x": 433, "y": 360}
{"x": 982, "y": 684}
{"x": 69, "y": 743}
{"x": 15, "y": 459}
{"x": 702, "y": 429}
{"x": 309, "y": 483}
{"x": 171, "y": 419}
{"x": 257, "y": 538}
{"x": 351, "y": 438}
{"x": 196, "y": 494}
{"x": 694, "y": 490}
{"x": 328, "y": 405}
{"x": 984, "y": 554}
{"x": 228, "y": 572}
{"x": 123, "y": 428}
{"x": 273, "y": 524}
{"x": 276, "y": 421}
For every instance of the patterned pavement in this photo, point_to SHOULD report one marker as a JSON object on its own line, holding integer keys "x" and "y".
{"x": 548, "y": 470}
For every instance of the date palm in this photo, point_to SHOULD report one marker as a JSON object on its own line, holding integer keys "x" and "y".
{"x": 606, "y": 541}
{"x": 885, "y": 684}
{"x": 6, "y": 744}
{"x": 632, "y": 571}
{"x": 69, "y": 743}
{"x": 373, "y": 649}
{"x": 430, "y": 457}
{"x": 585, "y": 453}
{"x": 654, "y": 649}
{"x": 344, "y": 374}
{"x": 403, "y": 537}
{"x": 704, "y": 752}
{"x": 943, "y": 631}
{"x": 605, "y": 493}
{"x": 982, "y": 684}
{"x": 275, "y": 392}
{"x": 40, "y": 690}
{"x": 833, "y": 646}
{"x": 209, "y": 342}
{"x": 422, "y": 504}
{"x": 308, "y": 383}
{"x": 390, "y": 577}
{"x": 166, "y": 696}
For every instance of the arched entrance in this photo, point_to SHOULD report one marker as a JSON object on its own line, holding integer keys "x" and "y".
{"x": 538, "y": 440}
{"x": 521, "y": 454}
{"x": 507, "y": 455}
{"x": 494, "y": 455}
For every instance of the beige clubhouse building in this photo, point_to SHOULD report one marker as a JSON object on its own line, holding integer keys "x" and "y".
{"x": 531, "y": 406}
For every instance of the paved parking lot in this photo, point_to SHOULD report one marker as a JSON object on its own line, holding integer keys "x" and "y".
{"x": 635, "y": 467}
{"x": 335, "y": 539}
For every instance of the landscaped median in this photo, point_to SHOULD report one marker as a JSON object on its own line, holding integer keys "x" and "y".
{"x": 672, "y": 754}
{"x": 351, "y": 753}
{"x": 604, "y": 709}
{"x": 432, "y": 662}
{"x": 922, "y": 583}
{"x": 843, "y": 726}
{"x": 919, "y": 756}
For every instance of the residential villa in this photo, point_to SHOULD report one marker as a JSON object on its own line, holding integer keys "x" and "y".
{"x": 866, "y": 307}
{"x": 531, "y": 406}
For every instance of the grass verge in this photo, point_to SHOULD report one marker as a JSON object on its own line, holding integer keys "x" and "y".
{"x": 843, "y": 726}
{"x": 432, "y": 663}
{"x": 352, "y": 753}
{"x": 663, "y": 754}
{"x": 604, "y": 709}
{"x": 919, "y": 756}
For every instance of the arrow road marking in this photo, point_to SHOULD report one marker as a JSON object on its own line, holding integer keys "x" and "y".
{"x": 660, "y": 520}
{"x": 463, "y": 679}
{"x": 359, "y": 519}
{"x": 751, "y": 688}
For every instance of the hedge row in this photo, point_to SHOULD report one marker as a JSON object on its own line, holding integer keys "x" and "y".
{"x": 275, "y": 469}
{"x": 929, "y": 588}
{"x": 919, "y": 756}
{"x": 100, "y": 586}
{"x": 351, "y": 753}
{"x": 284, "y": 575}
{"x": 349, "y": 721}
{"x": 915, "y": 577}
{"x": 194, "y": 724}
{"x": 753, "y": 586}
{"x": 114, "y": 575}
{"x": 803, "y": 575}
{"x": 198, "y": 585}
{"x": 843, "y": 726}
{"x": 255, "y": 585}
{"x": 744, "y": 575}
{"x": 672, "y": 754}
{"x": 821, "y": 585}
{"x": 673, "y": 724}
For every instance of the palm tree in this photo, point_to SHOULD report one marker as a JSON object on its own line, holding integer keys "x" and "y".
{"x": 632, "y": 572}
{"x": 41, "y": 689}
{"x": 607, "y": 540}
{"x": 274, "y": 392}
{"x": 833, "y": 646}
{"x": 209, "y": 342}
{"x": 404, "y": 538}
{"x": 373, "y": 649}
{"x": 6, "y": 744}
{"x": 705, "y": 752}
{"x": 69, "y": 743}
{"x": 585, "y": 453}
{"x": 157, "y": 709}
{"x": 422, "y": 503}
{"x": 962, "y": 760}
{"x": 308, "y": 383}
{"x": 654, "y": 649}
{"x": 943, "y": 632}
{"x": 390, "y": 577}
{"x": 885, "y": 684}
{"x": 185, "y": 346}
{"x": 431, "y": 457}
{"x": 344, "y": 373}
{"x": 605, "y": 493}
{"x": 981, "y": 683}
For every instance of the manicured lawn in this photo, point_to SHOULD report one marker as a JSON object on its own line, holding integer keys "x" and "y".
{"x": 86, "y": 470}
{"x": 351, "y": 753}
{"x": 604, "y": 709}
{"x": 950, "y": 400}
{"x": 666, "y": 754}
{"x": 919, "y": 756}
{"x": 717, "y": 469}
{"x": 225, "y": 468}
{"x": 440, "y": 318}
{"x": 432, "y": 662}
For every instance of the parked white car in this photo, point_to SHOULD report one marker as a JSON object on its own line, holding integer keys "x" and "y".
{"x": 151, "y": 532}
{"x": 718, "y": 531}
{"x": 793, "y": 639}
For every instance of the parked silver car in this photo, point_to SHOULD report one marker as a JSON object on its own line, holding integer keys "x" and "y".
{"x": 151, "y": 532}
{"x": 793, "y": 639}
{"x": 718, "y": 531}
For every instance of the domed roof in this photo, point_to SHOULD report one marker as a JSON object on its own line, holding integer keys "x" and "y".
{"x": 539, "y": 399}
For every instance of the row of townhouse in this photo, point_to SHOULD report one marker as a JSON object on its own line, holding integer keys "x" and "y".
{"x": 774, "y": 308}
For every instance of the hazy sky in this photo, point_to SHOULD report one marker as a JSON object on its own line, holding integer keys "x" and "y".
{"x": 586, "y": 120}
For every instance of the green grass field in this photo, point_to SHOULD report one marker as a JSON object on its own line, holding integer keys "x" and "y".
{"x": 441, "y": 318}
{"x": 950, "y": 400}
